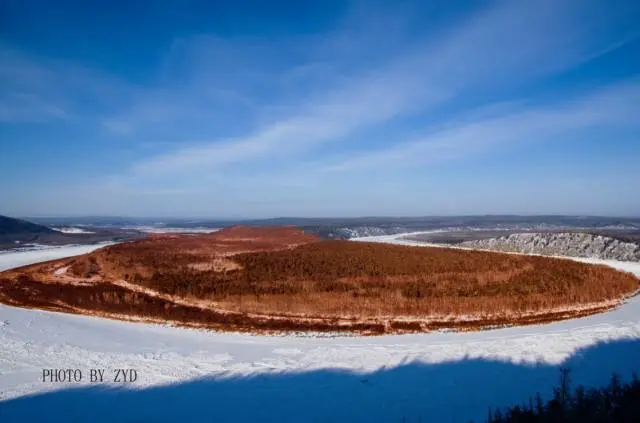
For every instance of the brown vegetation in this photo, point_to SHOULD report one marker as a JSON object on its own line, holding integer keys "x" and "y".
{"x": 283, "y": 279}
{"x": 112, "y": 301}
{"x": 338, "y": 278}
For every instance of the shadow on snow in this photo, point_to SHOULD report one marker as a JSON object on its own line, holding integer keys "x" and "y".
{"x": 456, "y": 391}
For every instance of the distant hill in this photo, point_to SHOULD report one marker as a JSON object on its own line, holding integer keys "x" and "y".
{"x": 11, "y": 226}
{"x": 17, "y": 233}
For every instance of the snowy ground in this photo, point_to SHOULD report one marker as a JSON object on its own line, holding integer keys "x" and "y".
{"x": 37, "y": 253}
{"x": 191, "y": 375}
{"x": 164, "y": 230}
{"x": 71, "y": 230}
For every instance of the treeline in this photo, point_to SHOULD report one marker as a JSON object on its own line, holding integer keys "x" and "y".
{"x": 616, "y": 403}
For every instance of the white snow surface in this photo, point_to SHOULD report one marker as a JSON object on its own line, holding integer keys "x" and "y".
{"x": 72, "y": 230}
{"x": 163, "y": 230}
{"x": 195, "y": 375}
{"x": 38, "y": 253}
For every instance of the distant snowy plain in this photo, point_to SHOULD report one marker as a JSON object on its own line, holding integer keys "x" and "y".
{"x": 194, "y": 375}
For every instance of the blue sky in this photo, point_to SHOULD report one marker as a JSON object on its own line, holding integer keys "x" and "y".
{"x": 329, "y": 108}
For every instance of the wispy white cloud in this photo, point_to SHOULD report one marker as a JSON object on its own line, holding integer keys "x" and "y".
{"x": 613, "y": 105}
{"x": 34, "y": 89}
{"x": 28, "y": 107}
{"x": 118, "y": 127}
{"x": 258, "y": 121}
{"x": 491, "y": 49}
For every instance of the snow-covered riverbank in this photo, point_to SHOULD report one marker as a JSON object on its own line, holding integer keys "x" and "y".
{"x": 10, "y": 259}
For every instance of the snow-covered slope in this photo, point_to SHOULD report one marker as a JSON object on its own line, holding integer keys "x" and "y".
{"x": 565, "y": 244}
{"x": 204, "y": 376}
{"x": 71, "y": 230}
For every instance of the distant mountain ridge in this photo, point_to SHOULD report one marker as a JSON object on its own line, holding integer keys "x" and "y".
{"x": 11, "y": 226}
{"x": 18, "y": 233}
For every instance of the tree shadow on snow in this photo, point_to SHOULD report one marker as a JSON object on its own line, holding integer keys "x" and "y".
{"x": 456, "y": 391}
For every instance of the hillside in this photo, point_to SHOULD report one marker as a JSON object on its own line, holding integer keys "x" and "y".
{"x": 14, "y": 232}
{"x": 561, "y": 244}
{"x": 19, "y": 227}
{"x": 283, "y": 279}
{"x": 19, "y": 233}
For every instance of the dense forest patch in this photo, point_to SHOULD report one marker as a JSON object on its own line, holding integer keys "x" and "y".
{"x": 346, "y": 278}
